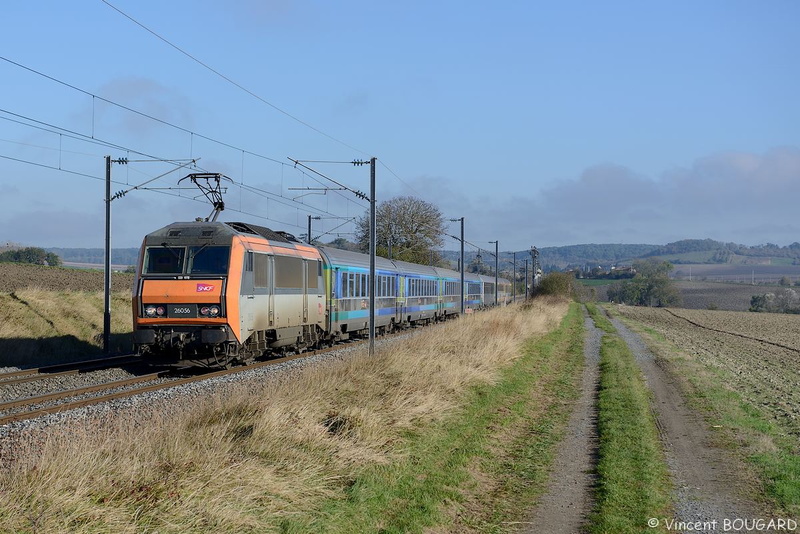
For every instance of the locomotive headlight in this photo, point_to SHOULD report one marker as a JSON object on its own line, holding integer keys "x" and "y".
{"x": 209, "y": 311}
{"x": 160, "y": 311}
{"x": 150, "y": 311}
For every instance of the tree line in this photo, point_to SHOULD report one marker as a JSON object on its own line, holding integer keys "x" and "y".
{"x": 34, "y": 255}
{"x": 650, "y": 285}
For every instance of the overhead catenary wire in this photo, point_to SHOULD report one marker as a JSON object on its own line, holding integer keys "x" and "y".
{"x": 163, "y": 191}
{"x": 86, "y": 138}
{"x": 58, "y": 130}
{"x": 241, "y": 87}
{"x": 181, "y": 128}
{"x": 140, "y": 113}
{"x": 332, "y": 230}
{"x": 357, "y": 193}
{"x": 231, "y": 81}
{"x": 78, "y": 135}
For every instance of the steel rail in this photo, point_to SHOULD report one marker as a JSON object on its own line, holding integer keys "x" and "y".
{"x": 53, "y": 370}
{"x": 30, "y": 414}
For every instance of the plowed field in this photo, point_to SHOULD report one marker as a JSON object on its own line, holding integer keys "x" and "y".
{"x": 758, "y": 354}
{"x": 17, "y": 276}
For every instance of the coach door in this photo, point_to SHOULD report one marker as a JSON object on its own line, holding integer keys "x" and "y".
{"x": 400, "y": 298}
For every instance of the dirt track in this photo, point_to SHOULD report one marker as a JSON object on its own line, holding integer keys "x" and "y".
{"x": 708, "y": 486}
{"x": 569, "y": 499}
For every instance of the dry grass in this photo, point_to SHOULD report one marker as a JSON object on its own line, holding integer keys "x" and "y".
{"x": 243, "y": 459}
{"x": 38, "y": 326}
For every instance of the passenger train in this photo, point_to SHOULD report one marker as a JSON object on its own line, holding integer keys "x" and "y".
{"x": 227, "y": 292}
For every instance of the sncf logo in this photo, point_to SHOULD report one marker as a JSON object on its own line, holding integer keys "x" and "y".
{"x": 202, "y": 288}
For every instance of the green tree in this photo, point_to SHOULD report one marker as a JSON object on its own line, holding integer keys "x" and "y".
{"x": 783, "y": 300}
{"x": 650, "y": 286}
{"x": 557, "y": 283}
{"x": 34, "y": 255}
{"x": 414, "y": 228}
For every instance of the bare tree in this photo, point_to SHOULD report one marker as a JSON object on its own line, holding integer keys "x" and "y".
{"x": 412, "y": 228}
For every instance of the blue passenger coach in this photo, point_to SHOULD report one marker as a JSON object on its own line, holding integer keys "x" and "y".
{"x": 347, "y": 290}
{"x": 407, "y": 293}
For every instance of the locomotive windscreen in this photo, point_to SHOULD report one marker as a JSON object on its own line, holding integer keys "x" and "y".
{"x": 202, "y": 260}
{"x": 208, "y": 260}
{"x": 164, "y": 260}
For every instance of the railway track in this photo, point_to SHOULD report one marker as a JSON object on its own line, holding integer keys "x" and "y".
{"x": 61, "y": 401}
{"x": 65, "y": 369}
{"x": 33, "y": 406}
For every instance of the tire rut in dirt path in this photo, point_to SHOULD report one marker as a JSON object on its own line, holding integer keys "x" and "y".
{"x": 708, "y": 487}
{"x": 568, "y": 502}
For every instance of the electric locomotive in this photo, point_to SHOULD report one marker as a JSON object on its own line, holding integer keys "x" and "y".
{"x": 220, "y": 292}
{"x": 226, "y": 292}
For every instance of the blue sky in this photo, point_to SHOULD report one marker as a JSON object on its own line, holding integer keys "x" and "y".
{"x": 542, "y": 123}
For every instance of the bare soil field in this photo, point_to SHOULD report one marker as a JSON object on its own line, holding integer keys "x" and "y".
{"x": 699, "y": 295}
{"x": 764, "y": 374}
{"x": 737, "y": 273}
{"x": 718, "y": 295}
{"x": 17, "y": 276}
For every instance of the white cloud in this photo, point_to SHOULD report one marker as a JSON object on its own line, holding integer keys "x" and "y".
{"x": 730, "y": 196}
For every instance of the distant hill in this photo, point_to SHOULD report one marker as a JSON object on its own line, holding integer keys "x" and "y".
{"x": 605, "y": 255}
{"x": 710, "y": 251}
{"x": 687, "y": 251}
{"x": 558, "y": 258}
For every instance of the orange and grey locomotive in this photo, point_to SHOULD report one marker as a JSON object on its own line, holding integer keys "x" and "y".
{"x": 222, "y": 292}
{"x": 225, "y": 292}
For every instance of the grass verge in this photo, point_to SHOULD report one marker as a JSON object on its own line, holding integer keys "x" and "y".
{"x": 450, "y": 430}
{"x": 480, "y": 470}
{"x": 633, "y": 480}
